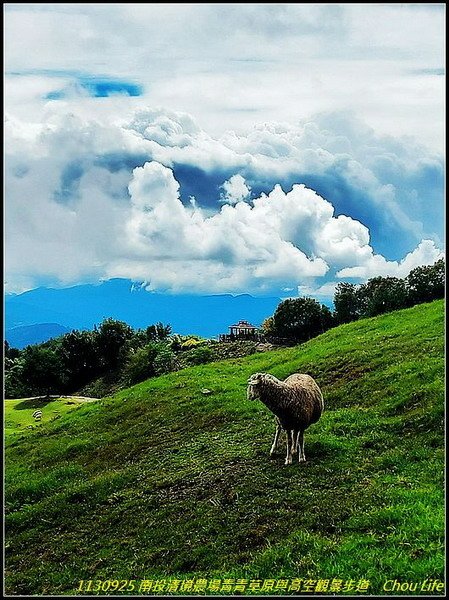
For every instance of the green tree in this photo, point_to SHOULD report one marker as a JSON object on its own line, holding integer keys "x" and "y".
{"x": 10, "y": 352}
{"x": 382, "y": 294}
{"x": 176, "y": 342}
{"x": 153, "y": 359}
{"x": 140, "y": 364}
{"x": 42, "y": 371}
{"x": 80, "y": 357}
{"x": 111, "y": 337}
{"x": 158, "y": 331}
{"x": 347, "y": 303}
{"x": 137, "y": 341}
{"x": 13, "y": 382}
{"x": 426, "y": 283}
{"x": 300, "y": 319}
{"x": 268, "y": 326}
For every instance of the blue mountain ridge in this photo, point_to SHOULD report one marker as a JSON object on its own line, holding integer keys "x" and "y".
{"x": 86, "y": 305}
{"x": 24, "y": 335}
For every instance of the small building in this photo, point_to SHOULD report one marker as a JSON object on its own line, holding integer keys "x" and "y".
{"x": 243, "y": 330}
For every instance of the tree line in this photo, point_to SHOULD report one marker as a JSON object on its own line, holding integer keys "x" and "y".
{"x": 299, "y": 319}
{"x": 115, "y": 355}
{"x": 113, "y": 352}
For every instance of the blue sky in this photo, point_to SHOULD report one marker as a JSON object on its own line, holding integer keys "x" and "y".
{"x": 262, "y": 148}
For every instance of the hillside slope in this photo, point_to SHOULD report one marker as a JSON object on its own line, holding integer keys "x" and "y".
{"x": 163, "y": 482}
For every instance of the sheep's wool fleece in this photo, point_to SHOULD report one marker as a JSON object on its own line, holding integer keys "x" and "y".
{"x": 297, "y": 401}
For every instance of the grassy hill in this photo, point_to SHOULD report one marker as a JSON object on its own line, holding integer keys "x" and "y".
{"x": 164, "y": 482}
{"x": 19, "y": 413}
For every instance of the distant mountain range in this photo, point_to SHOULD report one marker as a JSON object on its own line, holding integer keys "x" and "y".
{"x": 19, "y": 337}
{"x": 42, "y": 313}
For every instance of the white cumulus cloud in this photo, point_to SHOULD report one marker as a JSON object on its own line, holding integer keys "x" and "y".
{"x": 288, "y": 238}
{"x": 92, "y": 196}
{"x": 426, "y": 253}
{"x": 235, "y": 190}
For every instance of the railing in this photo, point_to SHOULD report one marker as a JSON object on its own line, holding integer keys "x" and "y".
{"x": 257, "y": 337}
{"x": 231, "y": 337}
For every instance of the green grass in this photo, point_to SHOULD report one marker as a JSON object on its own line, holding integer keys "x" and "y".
{"x": 163, "y": 482}
{"x": 18, "y": 414}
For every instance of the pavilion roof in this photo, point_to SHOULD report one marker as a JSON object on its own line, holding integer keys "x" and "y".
{"x": 243, "y": 325}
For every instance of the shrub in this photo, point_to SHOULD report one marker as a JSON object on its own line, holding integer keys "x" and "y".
{"x": 140, "y": 364}
{"x": 192, "y": 342}
{"x": 198, "y": 356}
{"x": 165, "y": 360}
{"x": 153, "y": 359}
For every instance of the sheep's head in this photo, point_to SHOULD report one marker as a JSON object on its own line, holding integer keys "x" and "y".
{"x": 254, "y": 382}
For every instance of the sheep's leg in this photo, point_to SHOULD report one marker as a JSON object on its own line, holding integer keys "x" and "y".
{"x": 288, "y": 458}
{"x": 295, "y": 441}
{"x": 301, "y": 455}
{"x": 276, "y": 438}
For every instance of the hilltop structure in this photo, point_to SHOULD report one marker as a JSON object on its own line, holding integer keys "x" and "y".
{"x": 243, "y": 330}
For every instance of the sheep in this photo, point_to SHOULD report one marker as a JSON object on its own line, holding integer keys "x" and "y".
{"x": 296, "y": 402}
{"x": 37, "y": 415}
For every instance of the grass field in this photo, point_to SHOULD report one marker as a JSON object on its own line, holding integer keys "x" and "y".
{"x": 19, "y": 413}
{"x": 161, "y": 482}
